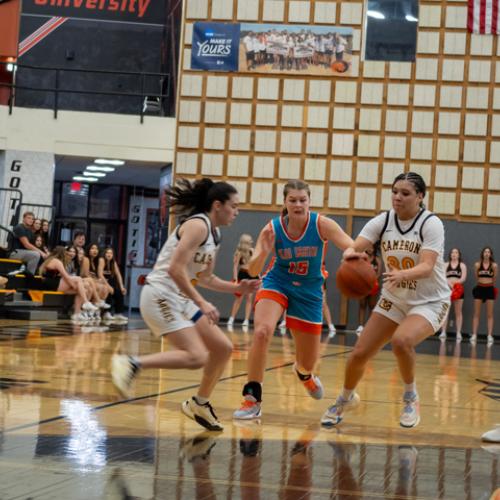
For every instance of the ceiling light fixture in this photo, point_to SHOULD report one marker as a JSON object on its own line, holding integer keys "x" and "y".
{"x": 103, "y": 161}
{"x": 94, "y": 174}
{"x": 96, "y": 168}
{"x": 84, "y": 179}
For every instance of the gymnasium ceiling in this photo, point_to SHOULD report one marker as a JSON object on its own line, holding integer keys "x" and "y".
{"x": 133, "y": 173}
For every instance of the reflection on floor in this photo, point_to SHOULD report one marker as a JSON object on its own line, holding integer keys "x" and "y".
{"x": 66, "y": 434}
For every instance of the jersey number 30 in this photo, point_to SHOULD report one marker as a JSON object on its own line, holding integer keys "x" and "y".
{"x": 301, "y": 268}
{"x": 406, "y": 263}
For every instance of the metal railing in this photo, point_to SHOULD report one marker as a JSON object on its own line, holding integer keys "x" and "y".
{"x": 10, "y": 200}
{"x": 143, "y": 96}
{"x": 6, "y": 240}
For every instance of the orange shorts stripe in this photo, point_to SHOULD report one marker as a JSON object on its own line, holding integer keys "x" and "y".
{"x": 303, "y": 326}
{"x": 272, "y": 295}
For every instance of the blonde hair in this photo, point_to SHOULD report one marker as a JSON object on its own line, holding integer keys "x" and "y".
{"x": 244, "y": 250}
{"x": 58, "y": 253}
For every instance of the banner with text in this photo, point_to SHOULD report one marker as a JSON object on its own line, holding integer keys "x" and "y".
{"x": 131, "y": 11}
{"x": 272, "y": 48}
{"x": 215, "y": 46}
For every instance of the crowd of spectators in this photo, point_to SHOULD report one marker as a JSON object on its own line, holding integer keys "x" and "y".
{"x": 88, "y": 272}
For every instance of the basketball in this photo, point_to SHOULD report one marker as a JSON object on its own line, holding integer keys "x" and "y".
{"x": 339, "y": 66}
{"x": 355, "y": 278}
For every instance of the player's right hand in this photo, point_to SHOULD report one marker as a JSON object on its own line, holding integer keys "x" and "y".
{"x": 267, "y": 239}
{"x": 210, "y": 311}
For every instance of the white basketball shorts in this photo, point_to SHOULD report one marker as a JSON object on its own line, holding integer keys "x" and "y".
{"x": 433, "y": 312}
{"x": 166, "y": 311}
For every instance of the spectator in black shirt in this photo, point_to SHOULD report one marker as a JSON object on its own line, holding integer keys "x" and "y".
{"x": 22, "y": 245}
{"x": 79, "y": 239}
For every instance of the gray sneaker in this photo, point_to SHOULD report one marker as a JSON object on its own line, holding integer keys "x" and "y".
{"x": 410, "y": 416}
{"x": 203, "y": 414}
{"x": 335, "y": 413}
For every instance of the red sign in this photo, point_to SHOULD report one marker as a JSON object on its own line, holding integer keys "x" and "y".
{"x": 135, "y": 11}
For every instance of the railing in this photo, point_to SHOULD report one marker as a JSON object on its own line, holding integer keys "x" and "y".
{"x": 145, "y": 98}
{"x": 41, "y": 211}
{"x": 10, "y": 200}
{"x": 6, "y": 240}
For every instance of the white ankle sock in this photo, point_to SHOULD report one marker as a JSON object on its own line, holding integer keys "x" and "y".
{"x": 347, "y": 393}
{"x": 201, "y": 401}
{"x": 411, "y": 387}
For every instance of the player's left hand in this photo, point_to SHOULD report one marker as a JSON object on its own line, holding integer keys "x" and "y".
{"x": 393, "y": 278}
{"x": 351, "y": 254}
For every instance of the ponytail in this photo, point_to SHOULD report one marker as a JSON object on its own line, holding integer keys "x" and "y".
{"x": 188, "y": 198}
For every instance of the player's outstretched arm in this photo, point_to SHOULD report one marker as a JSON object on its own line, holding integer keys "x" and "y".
{"x": 331, "y": 231}
{"x": 208, "y": 279}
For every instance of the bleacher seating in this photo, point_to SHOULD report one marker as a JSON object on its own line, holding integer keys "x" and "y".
{"x": 24, "y": 296}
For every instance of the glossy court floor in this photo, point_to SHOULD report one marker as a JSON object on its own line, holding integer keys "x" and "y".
{"x": 65, "y": 434}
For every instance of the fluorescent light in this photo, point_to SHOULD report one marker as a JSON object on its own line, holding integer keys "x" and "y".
{"x": 375, "y": 14}
{"x": 84, "y": 179}
{"x": 94, "y": 174}
{"x": 96, "y": 168}
{"x": 102, "y": 161}
{"x": 409, "y": 17}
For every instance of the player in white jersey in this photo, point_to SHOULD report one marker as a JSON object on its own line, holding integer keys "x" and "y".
{"x": 415, "y": 296}
{"x": 171, "y": 305}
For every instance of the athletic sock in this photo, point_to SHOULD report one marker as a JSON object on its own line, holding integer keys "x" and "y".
{"x": 346, "y": 394}
{"x": 201, "y": 401}
{"x": 411, "y": 387}
{"x": 136, "y": 364}
{"x": 303, "y": 376}
{"x": 253, "y": 389}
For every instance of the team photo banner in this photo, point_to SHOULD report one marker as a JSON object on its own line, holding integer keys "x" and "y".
{"x": 130, "y": 11}
{"x": 272, "y": 48}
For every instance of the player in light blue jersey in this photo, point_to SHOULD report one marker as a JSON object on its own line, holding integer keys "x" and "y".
{"x": 292, "y": 283}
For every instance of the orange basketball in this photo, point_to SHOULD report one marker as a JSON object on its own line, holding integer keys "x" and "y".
{"x": 355, "y": 278}
{"x": 339, "y": 66}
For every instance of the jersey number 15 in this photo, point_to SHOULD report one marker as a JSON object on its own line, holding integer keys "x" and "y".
{"x": 300, "y": 268}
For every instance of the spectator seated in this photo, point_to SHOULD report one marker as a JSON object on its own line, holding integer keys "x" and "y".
{"x": 23, "y": 247}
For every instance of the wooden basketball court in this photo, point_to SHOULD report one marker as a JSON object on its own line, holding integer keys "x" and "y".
{"x": 66, "y": 434}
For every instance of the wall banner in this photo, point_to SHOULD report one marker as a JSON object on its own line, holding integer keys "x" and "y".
{"x": 215, "y": 46}
{"x": 273, "y": 48}
{"x": 131, "y": 11}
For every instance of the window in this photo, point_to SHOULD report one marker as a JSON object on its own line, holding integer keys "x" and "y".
{"x": 74, "y": 201}
{"x": 391, "y": 30}
{"x": 105, "y": 202}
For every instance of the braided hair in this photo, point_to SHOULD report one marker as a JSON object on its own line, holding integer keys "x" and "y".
{"x": 416, "y": 180}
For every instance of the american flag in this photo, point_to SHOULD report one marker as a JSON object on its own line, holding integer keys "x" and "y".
{"x": 483, "y": 17}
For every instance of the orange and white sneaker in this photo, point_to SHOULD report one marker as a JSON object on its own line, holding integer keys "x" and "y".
{"x": 410, "y": 416}
{"x": 313, "y": 385}
{"x": 250, "y": 409}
